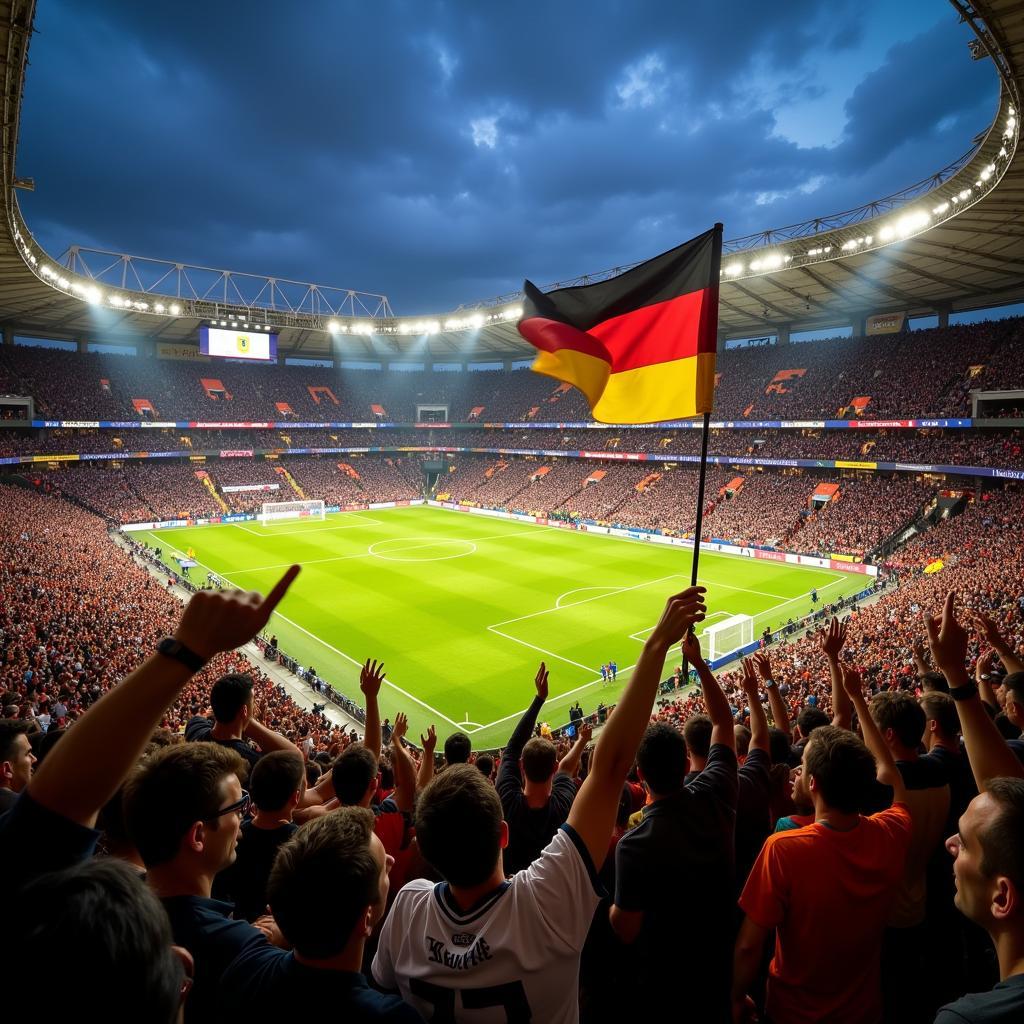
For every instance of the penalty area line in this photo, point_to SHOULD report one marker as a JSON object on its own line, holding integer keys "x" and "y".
{"x": 341, "y": 654}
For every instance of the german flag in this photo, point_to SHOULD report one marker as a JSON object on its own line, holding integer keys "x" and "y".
{"x": 640, "y": 346}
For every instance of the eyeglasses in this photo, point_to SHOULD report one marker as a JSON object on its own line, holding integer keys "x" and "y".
{"x": 241, "y": 807}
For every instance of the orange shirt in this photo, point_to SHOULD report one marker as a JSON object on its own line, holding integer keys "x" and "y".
{"x": 828, "y": 893}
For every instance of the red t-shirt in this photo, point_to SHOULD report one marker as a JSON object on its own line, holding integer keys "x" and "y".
{"x": 828, "y": 894}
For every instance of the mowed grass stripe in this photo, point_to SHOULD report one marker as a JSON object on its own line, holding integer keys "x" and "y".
{"x": 427, "y": 614}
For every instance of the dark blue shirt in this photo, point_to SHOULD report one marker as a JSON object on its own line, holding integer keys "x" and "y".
{"x": 268, "y": 984}
{"x": 34, "y": 841}
{"x": 207, "y": 930}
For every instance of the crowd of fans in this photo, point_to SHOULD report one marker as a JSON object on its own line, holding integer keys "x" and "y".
{"x": 952, "y": 447}
{"x": 761, "y": 507}
{"x": 179, "y": 836}
{"x": 925, "y": 373}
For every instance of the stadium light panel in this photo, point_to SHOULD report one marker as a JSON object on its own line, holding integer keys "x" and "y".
{"x": 223, "y": 323}
{"x": 159, "y": 307}
{"x": 93, "y": 295}
{"x": 332, "y": 326}
{"x": 175, "y": 308}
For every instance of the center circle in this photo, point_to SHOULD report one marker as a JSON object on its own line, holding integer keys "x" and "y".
{"x": 420, "y": 549}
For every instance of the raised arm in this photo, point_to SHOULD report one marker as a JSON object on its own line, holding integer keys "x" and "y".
{"x": 570, "y": 764}
{"x": 593, "y": 812}
{"x": 719, "y": 711}
{"x": 428, "y": 743}
{"x": 524, "y": 728}
{"x": 758, "y": 719}
{"x": 990, "y": 631}
{"x": 886, "y": 771}
{"x": 401, "y": 763}
{"x": 84, "y": 770}
{"x": 831, "y": 644}
{"x": 371, "y": 678}
{"x": 987, "y": 751}
{"x": 983, "y": 677}
{"x": 921, "y": 666}
{"x": 780, "y": 717}
{"x": 266, "y": 739}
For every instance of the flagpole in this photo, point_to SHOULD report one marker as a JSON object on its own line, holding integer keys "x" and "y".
{"x": 702, "y": 478}
{"x": 700, "y": 498}
{"x": 699, "y": 525}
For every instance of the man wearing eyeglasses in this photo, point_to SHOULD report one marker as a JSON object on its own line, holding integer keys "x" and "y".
{"x": 184, "y": 809}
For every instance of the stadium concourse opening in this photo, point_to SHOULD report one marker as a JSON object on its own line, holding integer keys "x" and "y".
{"x": 349, "y": 667}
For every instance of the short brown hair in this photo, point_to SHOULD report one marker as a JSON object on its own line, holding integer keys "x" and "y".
{"x": 941, "y": 708}
{"x": 539, "y": 759}
{"x": 900, "y": 712}
{"x": 842, "y": 767}
{"x": 171, "y": 791}
{"x": 697, "y": 733}
{"x": 276, "y": 778}
{"x": 323, "y": 880}
{"x": 1002, "y": 843}
{"x": 458, "y": 825}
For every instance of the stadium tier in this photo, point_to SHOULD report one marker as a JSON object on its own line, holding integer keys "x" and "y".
{"x": 870, "y": 378}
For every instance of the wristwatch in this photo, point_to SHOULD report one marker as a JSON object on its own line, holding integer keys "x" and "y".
{"x": 171, "y": 648}
{"x": 964, "y": 692}
{"x": 769, "y": 683}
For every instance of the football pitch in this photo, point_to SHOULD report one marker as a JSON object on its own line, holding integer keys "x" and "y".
{"x": 462, "y": 608}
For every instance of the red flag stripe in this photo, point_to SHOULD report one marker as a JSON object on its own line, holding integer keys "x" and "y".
{"x": 681, "y": 327}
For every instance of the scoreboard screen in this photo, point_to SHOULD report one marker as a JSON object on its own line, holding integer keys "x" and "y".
{"x": 235, "y": 343}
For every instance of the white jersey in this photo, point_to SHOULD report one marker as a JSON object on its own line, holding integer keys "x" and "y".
{"x": 513, "y": 958}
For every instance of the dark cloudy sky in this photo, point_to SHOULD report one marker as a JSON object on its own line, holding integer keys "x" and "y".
{"x": 441, "y": 151}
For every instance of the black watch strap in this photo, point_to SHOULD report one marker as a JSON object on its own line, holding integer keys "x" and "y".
{"x": 171, "y": 648}
{"x": 964, "y": 692}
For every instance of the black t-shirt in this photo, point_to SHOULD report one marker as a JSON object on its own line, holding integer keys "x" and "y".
{"x": 244, "y": 883}
{"x": 753, "y": 811}
{"x": 955, "y": 769}
{"x": 530, "y": 829}
{"x": 1003, "y": 1005}
{"x": 200, "y": 730}
{"x": 677, "y": 867}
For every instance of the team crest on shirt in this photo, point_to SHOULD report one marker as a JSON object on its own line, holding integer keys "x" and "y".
{"x": 463, "y": 939}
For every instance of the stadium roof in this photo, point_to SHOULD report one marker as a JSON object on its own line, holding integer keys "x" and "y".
{"x": 952, "y": 242}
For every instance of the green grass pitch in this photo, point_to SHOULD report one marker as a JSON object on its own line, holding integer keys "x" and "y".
{"x": 461, "y": 608}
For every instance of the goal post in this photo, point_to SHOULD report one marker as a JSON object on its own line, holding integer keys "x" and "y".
{"x": 721, "y": 638}
{"x": 283, "y": 511}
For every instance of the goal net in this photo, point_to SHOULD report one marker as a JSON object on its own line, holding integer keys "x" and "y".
{"x": 283, "y": 511}
{"x": 721, "y": 638}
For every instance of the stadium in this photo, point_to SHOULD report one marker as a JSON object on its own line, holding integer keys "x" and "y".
{"x": 176, "y": 438}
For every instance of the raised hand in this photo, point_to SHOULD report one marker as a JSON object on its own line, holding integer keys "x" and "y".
{"x": 371, "y": 677}
{"x": 221, "y": 620}
{"x": 833, "y": 639}
{"x": 586, "y": 732}
{"x": 749, "y": 680}
{"x": 763, "y": 664}
{"x": 429, "y": 742}
{"x": 682, "y": 612}
{"x": 988, "y": 629}
{"x": 541, "y": 681}
{"x": 400, "y": 728}
{"x": 691, "y": 649}
{"x": 947, "y": 638}
{"x": 853, "y": 684}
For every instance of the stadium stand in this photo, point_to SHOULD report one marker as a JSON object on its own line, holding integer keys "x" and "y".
{"x": 831, "y": 375}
